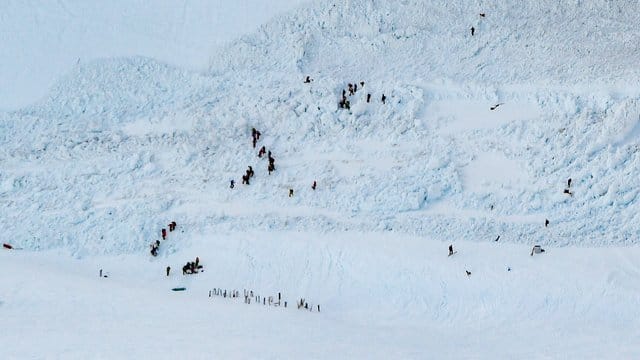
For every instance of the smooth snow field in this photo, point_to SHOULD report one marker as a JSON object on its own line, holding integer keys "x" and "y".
{"x": 121, "y": 117}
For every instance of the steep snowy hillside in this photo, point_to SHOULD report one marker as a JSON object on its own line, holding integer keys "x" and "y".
{"x": 126, "y": 142}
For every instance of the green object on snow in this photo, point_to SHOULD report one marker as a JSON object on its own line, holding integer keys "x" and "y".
{"x": 179, "y": 289}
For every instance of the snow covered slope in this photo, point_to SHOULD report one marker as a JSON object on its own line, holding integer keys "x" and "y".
{"x": 41, "y": 40}
{"x": 128, "y": 141}
{"x": 476, "y": 139}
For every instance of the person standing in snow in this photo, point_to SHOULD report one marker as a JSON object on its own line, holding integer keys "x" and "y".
{"x": 384, "y": 99}
{"x": 233, "y": 183}
{"x": 473, "y": 31}
{"x": 168, "y": 270}
{"x": 546, "y": 222}
{"x": 313, "y": 186}
{"x": 368, "y": 98}
{"x": 450, "y": 250}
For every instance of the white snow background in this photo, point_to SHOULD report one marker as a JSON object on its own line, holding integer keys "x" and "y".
{"x": 122, "y": 117}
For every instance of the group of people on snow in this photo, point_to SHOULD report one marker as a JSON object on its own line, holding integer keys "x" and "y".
{"x": 192, "y": 267}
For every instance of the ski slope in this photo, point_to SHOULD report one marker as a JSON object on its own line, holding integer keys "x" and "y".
{"x": 135, "y": 136}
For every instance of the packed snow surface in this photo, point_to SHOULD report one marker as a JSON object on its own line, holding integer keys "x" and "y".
{"x": 473, "y": 146}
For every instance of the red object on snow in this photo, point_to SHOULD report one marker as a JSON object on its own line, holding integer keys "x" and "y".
{"x": 164, "y": 234}
{"x": 7, "y": 246}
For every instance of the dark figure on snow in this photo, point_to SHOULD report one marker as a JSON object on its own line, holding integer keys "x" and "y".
{"x": 546, "y": 222}
{"x": 245, "y": 179}
{"x": 355, "y": 88}
{"x": 290, "y": 192}
{"x": 254, "y": 142}
{"x": 368, "y": 98}
{"x": 495, "y": 106}
{"x": 185, "y": 269}
{"x": 307, "y": 80}
{"x": 164, "y": 234}
{"x": 361, "y": 83}
{"x": 569, "y": 183}
{"x": 482, "y": 14}
{"x": 350, "y": 89}
{"x": 232, "y": 184}
{"x": 197, "y": 261}
{"x": 473, "y": 31}
{"x": 568, "y": 192}
{"x": 262, "y": 151}
{"x": 258, "y": 134}
{"x": 450, "y": 250}
{"x": 313, "y": 186}
{"x": 271, "y": 168}
{"x": 384, "y": 99}
{"x": 168, "y": 270}
{"x": 468, "y": 272}
{"x": 537, "y": 249}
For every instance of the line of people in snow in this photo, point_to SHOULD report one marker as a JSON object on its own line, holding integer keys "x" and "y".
{"x": 249, "y": 297}
{"x": 155, "y": 246}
